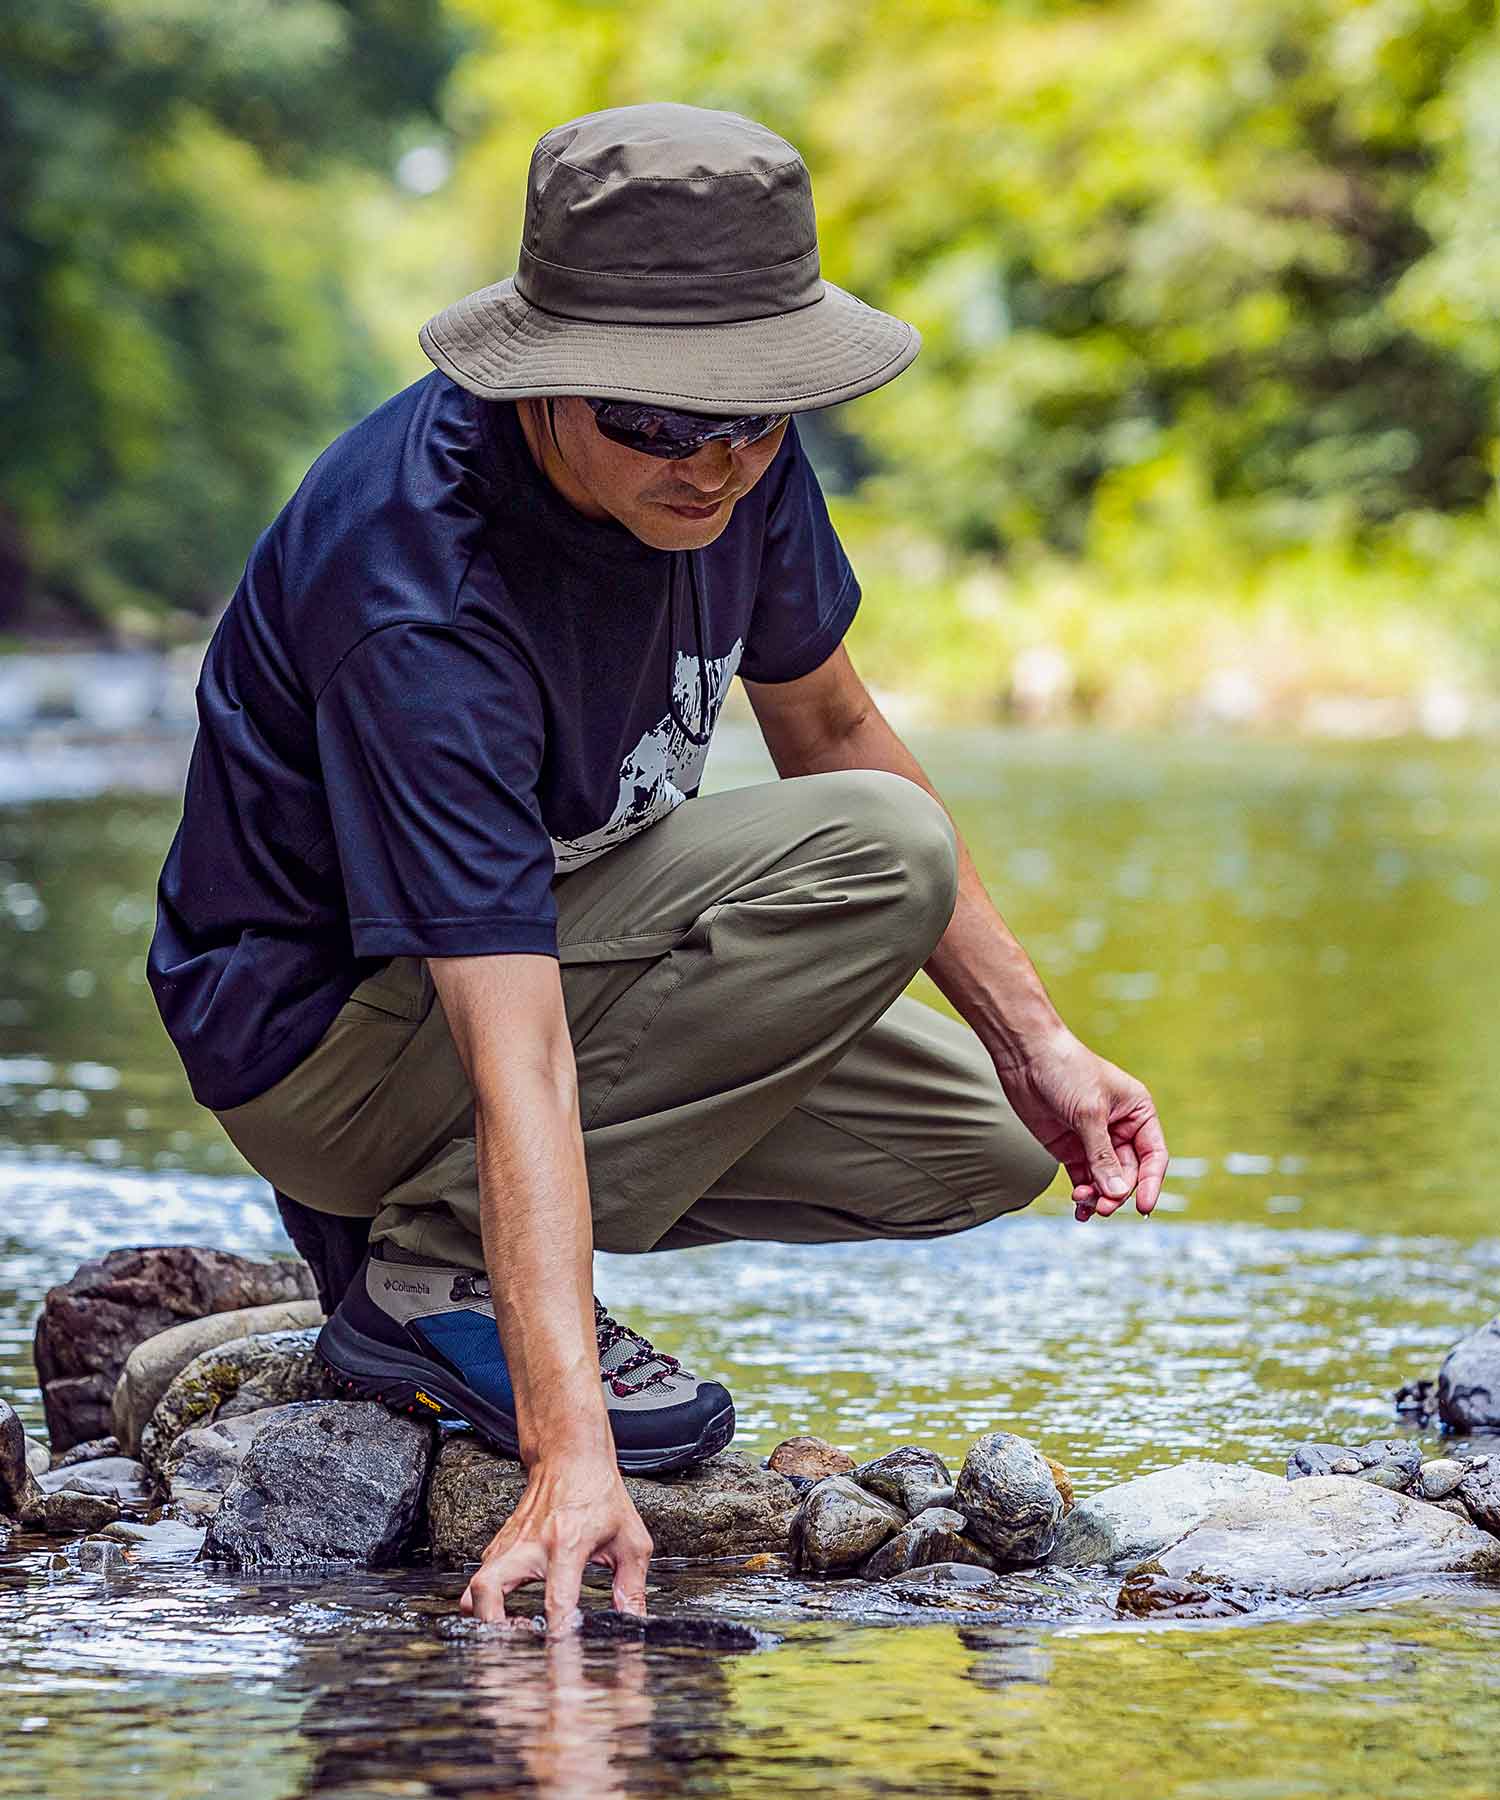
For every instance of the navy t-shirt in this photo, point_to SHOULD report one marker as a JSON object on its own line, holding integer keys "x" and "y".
{"x": 438, "y": 687}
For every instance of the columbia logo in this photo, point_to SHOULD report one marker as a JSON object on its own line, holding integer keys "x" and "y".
{"x": 393, "y": 1285}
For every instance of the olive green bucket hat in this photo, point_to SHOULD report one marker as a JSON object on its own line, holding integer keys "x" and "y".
{"x": 669, "y": 255}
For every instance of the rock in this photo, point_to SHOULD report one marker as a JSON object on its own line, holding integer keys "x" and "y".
{"x": 1317, "y": 1536}
{"x": 91, "y": 1323}
{"x": 67, "y": 1512}
{"x": 199, "y": 1467}
{"x": 718, "y": 1635}
{"x": 1480, "y": 1493}
{"x": 118, "y": 1478}
{"x": 726, "y": 1506}
{"x": 1417, "y": 1403}
{"x": 163, "y": 1540}
{"x": 1469, "y": 1381}
{"x": 837, "y": 1525}
{"x": 1133, "y": 1520}
{"x": 909, "y": 1477}
{"x": 90, "y": 1450}
{"x": 1006, "y": 1492}
{"x": 153, "y": 1365}
{"x": 1387, "y": 1462}
{"x": 1064, "y": 1484}
{"x": 241, "y": 1376}
{"x": 1436, "y": 1480}
{"x": 38, "y": 1456}
{"x": 15, "y": 1476}
{"x": 811, "y": 1458}
{"x": 339, "y": 1485}
{"x": 103, "y": 1555}
{"x": 933, "y": 1536}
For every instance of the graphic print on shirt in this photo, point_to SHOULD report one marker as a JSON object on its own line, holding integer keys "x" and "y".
{"x": 665, "y": 766}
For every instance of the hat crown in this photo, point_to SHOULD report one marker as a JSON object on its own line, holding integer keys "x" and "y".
{"x": 668, "y": 214}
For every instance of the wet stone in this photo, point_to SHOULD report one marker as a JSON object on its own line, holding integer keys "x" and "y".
{"x": 1131, "y": 1521}
{"x": 718, "y": 1635}
{"x": 38, "y": 1457}
{"x": 1417, "y": 1402}
{"x": 102, "y": 1555}
{"x": 1480, "y": 1492}
{"x": 1006, "y": 1492}
{"x": 809, "y": 1458}
{"x": 118, "y": 1478}
{"x": 91, "y": 1450}
{"x": 15, "y": 1476}
{"x": 1313, "y": 1537}
{"x": 241, "y": 1376}
{"x": 67, "y": 1513}
{"x": 837, "y": 1525}
{"x": 909, "y": 1477}
{"x": 201, "y": 1464}
{"x": 933, "y": 1536}
{"x": 1387, "y": 1462}
{"x": 1438, "y": 1479}
{"x": 340, "y": 1485}
{"x": 1469, "y": 1381}
{"x": 157, "y": 1540}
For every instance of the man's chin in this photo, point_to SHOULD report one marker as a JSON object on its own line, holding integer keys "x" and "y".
{"x": 664, "y": 529}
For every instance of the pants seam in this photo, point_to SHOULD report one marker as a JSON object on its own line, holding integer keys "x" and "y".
{"x": 895, "y": 1155}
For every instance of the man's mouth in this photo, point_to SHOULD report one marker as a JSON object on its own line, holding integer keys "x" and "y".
{"x": 693, "y": 512}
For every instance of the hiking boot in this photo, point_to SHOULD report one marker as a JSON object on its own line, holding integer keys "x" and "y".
{"x": 421, "y": 1337}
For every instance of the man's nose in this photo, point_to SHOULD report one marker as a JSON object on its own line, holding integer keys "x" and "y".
{"x": 708, "y": 469}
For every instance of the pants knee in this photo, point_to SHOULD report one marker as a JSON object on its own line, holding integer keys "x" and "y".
{"x": 1010, "y": 1176}
{"x": 906, "y": 829}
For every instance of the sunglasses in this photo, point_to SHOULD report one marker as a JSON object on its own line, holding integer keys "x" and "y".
{"x": 658, "y": 431}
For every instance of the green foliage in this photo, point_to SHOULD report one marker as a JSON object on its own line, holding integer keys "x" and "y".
{"x": 175, "y": 333}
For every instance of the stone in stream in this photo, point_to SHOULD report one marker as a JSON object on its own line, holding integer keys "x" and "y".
{"x": 725, "y": 1506}
{"x": 1417, "y": 1402}
{"x": 1387, "y": 1462}
{"x": 604, "y": 1624}
{"x": 935, "y": 1535}
{"x": 201, "y": 1464}
{"x": 1469, "y": 1381}
{"x": 1131, "y": 1521}
{"x": 118, "y": 1478}
{"x": 1007, "y": 1493}
{"x": 163, "y": 1540}
{"x": 837, "y": 1525}
{"x": 68, "y": 1513}
{"x": 1438, "y": 1479}
{"x": 1480, "y": 1492}
{"x": 809, "y": 1459}
{"x": 38, "y": 1457}
{"x": 242, "y": 1376}
{"x": 19, "y": 1494}
{"x": 153, "y": 1365}
{"x": 1319, "y": 1536}
{"x": 91, "y": 1450}
{"x": 90, "y": 1323}
{"x": 909, "y": 1477}
{"x": 339, "y": 1485}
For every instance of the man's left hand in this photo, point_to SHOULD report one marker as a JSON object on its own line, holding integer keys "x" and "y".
{"x": 1099, "y": 1122}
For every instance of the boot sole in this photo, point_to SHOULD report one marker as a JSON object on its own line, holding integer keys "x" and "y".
{"x": 410, "y": 1384}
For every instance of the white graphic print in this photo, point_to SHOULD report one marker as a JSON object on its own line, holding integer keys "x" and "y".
{"x": 663, "y": 767}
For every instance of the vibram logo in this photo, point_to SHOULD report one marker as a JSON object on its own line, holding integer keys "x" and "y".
{"x": 427, "y": 1400}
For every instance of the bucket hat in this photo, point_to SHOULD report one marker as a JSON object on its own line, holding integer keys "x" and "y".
{"x": 669, "y": 255}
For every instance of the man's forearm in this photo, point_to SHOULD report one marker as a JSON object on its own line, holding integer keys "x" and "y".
{"x": 978, "y": 963}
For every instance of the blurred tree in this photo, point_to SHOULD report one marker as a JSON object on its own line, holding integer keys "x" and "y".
{"x": 175, "y": 336}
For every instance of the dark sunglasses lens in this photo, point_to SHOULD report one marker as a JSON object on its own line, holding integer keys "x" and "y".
{"x": 657, "y": 431}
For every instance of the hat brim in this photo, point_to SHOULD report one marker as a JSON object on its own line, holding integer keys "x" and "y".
{"x": 498, "y": 345}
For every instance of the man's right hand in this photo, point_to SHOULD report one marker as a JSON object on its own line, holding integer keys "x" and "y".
{"x": 575, "y": 1510}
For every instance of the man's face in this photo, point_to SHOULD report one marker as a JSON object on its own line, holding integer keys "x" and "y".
{"x": 604, "y": 479}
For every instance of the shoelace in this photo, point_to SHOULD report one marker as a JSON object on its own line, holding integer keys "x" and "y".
{"x": 607, "y": 1333}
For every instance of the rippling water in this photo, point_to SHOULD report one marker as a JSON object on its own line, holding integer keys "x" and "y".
{"x": 1292, "y": 946}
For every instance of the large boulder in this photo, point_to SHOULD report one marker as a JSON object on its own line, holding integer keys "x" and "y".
{"x": 153, "y": 1365}
{"x": 839, "y": 1525}
{"x": 338, "y": 1485}
{"x": 203, "y": 1462}
{"x": 91, "y": 1323}
{"x": 1133, "y": 1520}
{"x": 1306, "y": 1539}
{"x": 1007, "y": 1492}
{"x": 242, "y": 1376}
{"x": 726, "y": 1506}
{"x": 1469, "y": 1381}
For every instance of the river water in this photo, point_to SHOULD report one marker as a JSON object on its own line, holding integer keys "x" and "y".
{"x": 1293, "y": 945}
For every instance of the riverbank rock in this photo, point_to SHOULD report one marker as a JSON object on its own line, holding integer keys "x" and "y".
{"x": 935, "y": 1535}
{"x": 1318, "y": 1536}
{"x": 152, "y": 1366}
{"x": 199, "y": 1467}
{"x": 1387, "y": 1462}
{"x": 19, "y": 1495}
{"x": 1480, "y": 1492}
{"x": 1131, "y": 1521}
{"x": 726, "y": 1506}
{"x": 242, "y": 1376}
{"x": 1007, "y": 1493}
{"x": 338, "y": 1485}
{"x": 1469, "y": 1381}
{"x": 38, "y": 1456}
{"x": 117, "y": 1478}
{"x": 91, "y": 1322}
{"x": 809, "y": 1459}
{"x": 837, "y": 1525}
{"x": 909, "y": 1477}
{"x": 91, "y": 1450}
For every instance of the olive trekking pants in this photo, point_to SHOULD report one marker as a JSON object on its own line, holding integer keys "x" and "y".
{"x": 747, "y": 1065}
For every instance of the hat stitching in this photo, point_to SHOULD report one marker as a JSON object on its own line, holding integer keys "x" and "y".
{"x": 630, "y": 180}
{"x": 630, "y": 275}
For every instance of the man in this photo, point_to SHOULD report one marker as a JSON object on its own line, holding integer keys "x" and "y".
{"x": 437, "y": 939}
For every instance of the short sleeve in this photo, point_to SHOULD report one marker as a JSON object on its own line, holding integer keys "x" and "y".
{"x": 807, "y": 593}
{"x": 430, "y": 739}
